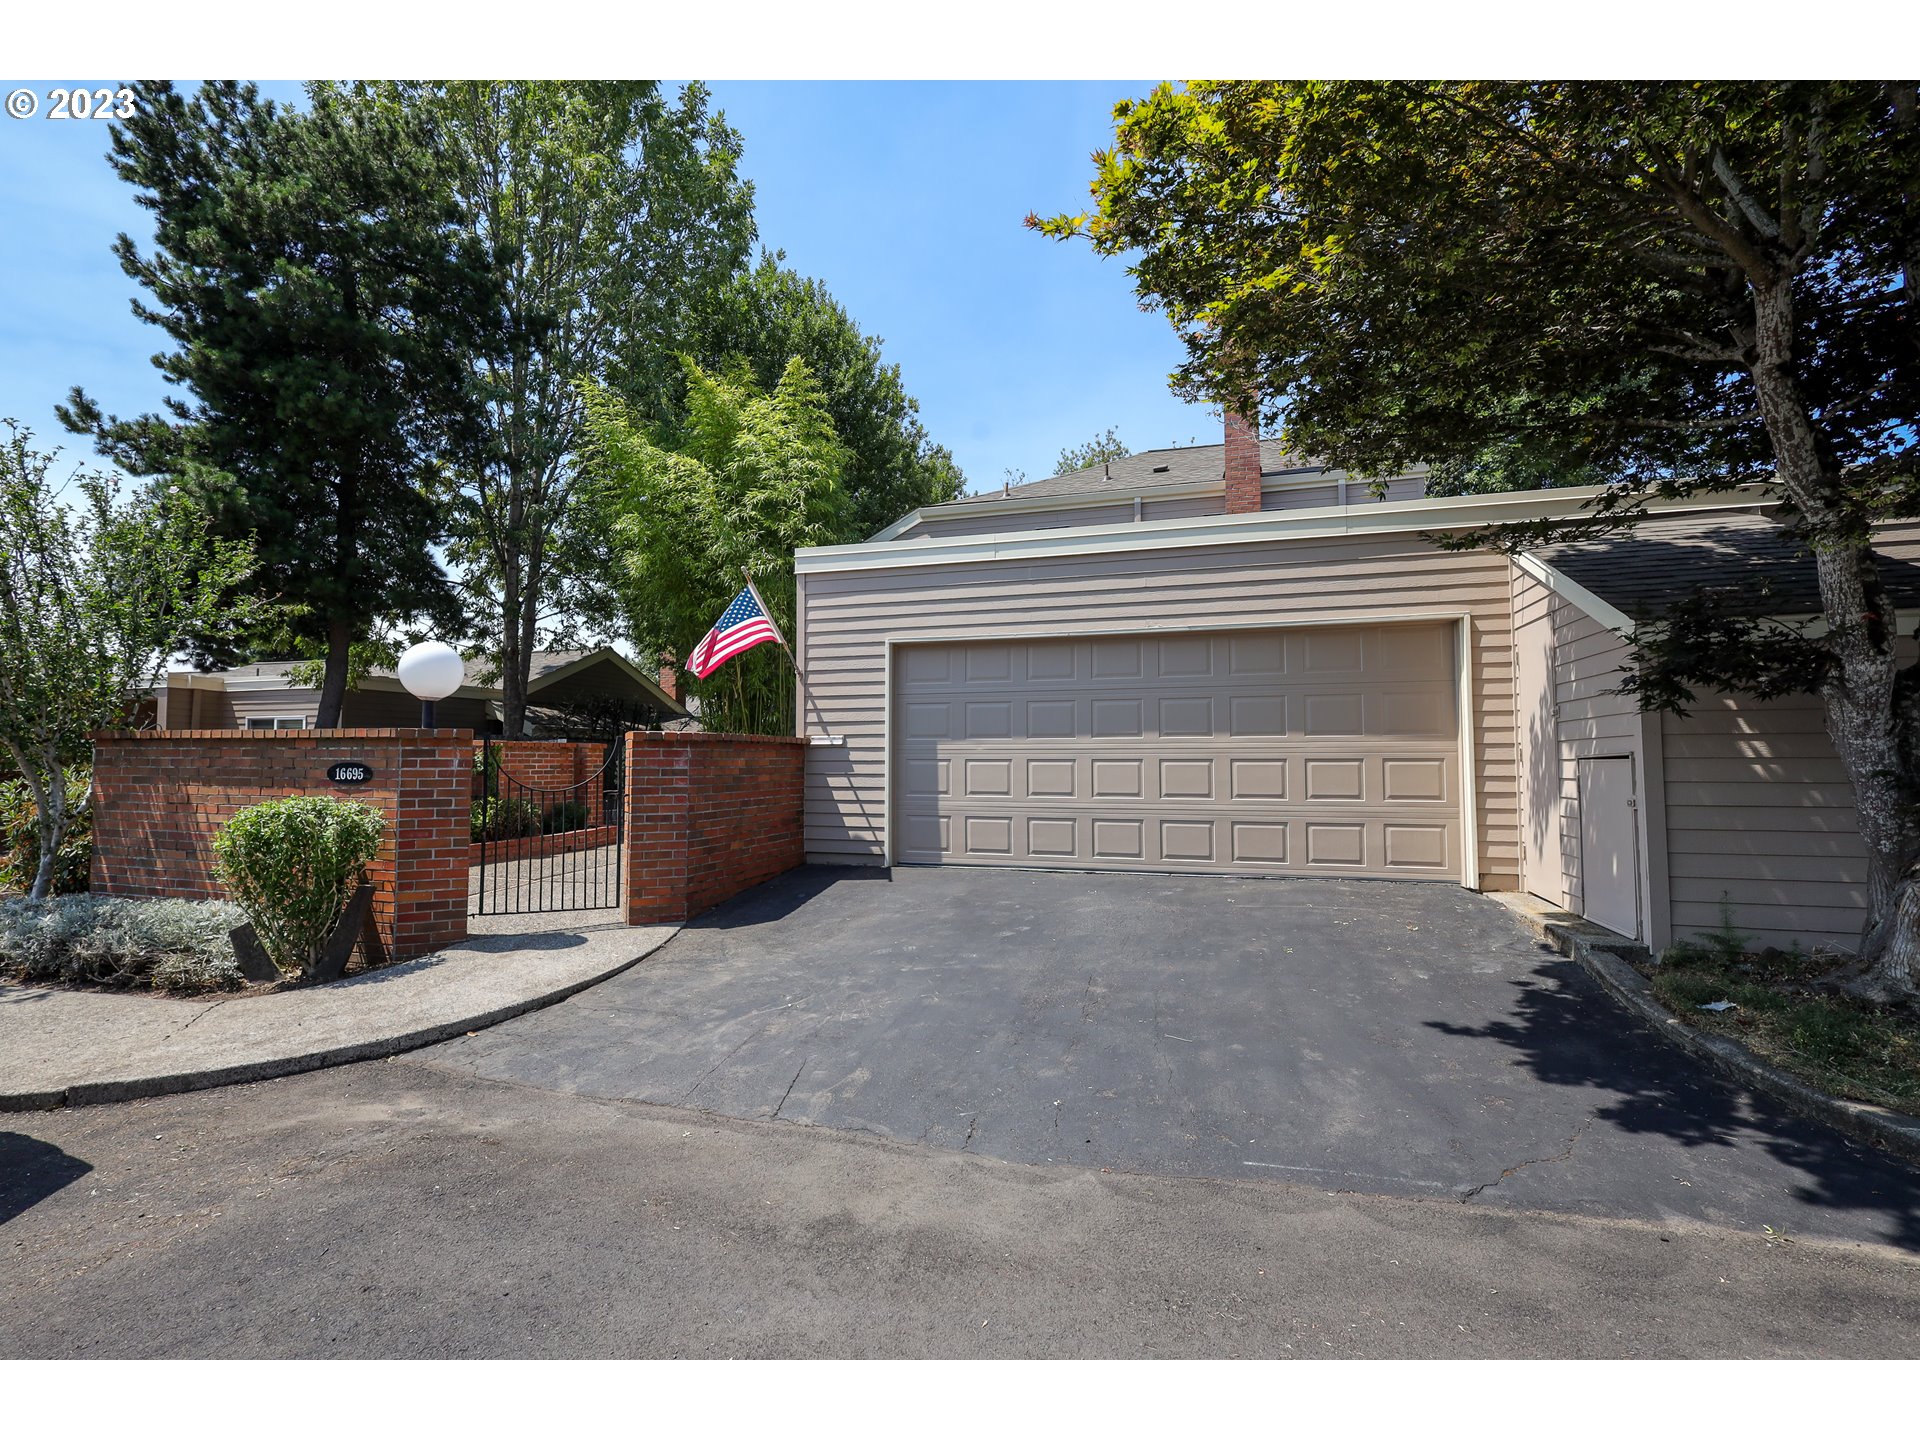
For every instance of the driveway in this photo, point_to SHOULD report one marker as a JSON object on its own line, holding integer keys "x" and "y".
{"x": 1395, "y": 1039}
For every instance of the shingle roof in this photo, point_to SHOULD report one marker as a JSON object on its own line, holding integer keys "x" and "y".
{"x": 482, "y": 672}
{"x": 1179, "y": 465}
{"x": 1751, "y": 559}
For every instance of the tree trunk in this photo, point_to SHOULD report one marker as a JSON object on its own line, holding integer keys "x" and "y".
{"x": 50, "y": 817}
{"x": 529, "y": 611}
{"x": 333, "y": 685}
{"x": 50, "y": 828}
{"x": 1864, "y": 717}
{"x": 513, "y": 663}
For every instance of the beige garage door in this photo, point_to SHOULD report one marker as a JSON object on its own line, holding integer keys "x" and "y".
{"x": 1313, "y": 751}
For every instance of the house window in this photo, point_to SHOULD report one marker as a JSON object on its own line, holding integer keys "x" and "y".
{"x": 276, "y": 722}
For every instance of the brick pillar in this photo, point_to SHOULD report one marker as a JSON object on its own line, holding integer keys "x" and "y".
{"x": 659, "y": 826}
{"x": 1243, "y": 465}
{"x": 432, "y": 834}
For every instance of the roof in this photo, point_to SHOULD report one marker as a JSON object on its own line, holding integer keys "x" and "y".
{"x": 481, "y": 678}
{"x": 1314, "y": 522}
{"x": 1751, "y": 559}
{"x": 482, "y": 673}
{"x": 1176, "y": 465}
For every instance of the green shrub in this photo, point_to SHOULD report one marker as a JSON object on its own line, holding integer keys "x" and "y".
{"x": 292, "y": 864}
{"x": 504, "y": 818}
{"x": 567, "y": 815}
{"x": 179, "y": 945}
{"x": 20, "y": 842}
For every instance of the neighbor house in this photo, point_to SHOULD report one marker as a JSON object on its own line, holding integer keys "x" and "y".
{"x": 590, "y": 685}
{"x": 1229, "y": 659}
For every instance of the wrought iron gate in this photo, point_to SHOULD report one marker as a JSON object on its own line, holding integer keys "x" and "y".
{"x": 544, "y": 848}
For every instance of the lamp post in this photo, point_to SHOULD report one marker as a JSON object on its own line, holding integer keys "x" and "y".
{"x": 431, "y": 670}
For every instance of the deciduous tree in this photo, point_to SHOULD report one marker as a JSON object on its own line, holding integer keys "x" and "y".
{"x": 750, "y": 476}
{"x": 769, "y": 316}
{"x": 1096, "y": 451}
{"x": 1674, "y": 286}
{"x": 615, "y": 216}
{"x": 94, "y": 598}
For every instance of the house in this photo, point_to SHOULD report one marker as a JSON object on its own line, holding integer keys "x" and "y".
{"x": 565, "y": 687}
{"x": 1229, "y": 659}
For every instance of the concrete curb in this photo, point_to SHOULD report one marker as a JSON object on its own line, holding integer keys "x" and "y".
{"x": 143, "y": 1087}
{"x": 1603, "y": 955}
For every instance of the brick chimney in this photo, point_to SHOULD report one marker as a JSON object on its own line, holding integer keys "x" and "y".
{"x": 670, "y": 680}
{"x": 1243, "y": 464}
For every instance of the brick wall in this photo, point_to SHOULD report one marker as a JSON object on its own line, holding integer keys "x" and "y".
{"x": 707, "y": 817}
{"x": 553, "y": 767}
{"x": 159, "y": 797}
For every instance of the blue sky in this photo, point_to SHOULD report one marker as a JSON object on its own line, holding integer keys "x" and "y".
{"x": 905, "y": 198}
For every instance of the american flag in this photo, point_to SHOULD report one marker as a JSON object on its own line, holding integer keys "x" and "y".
{"x": 743, "y": 626}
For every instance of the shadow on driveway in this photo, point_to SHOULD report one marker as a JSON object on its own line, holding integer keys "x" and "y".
{"x": 31, "y": 1170}
{"x": 1394, "y": 1038}
{"x": 1550, "y": 1027}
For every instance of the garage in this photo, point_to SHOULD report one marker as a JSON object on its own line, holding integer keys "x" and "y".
{"x": 1330, "y": 749}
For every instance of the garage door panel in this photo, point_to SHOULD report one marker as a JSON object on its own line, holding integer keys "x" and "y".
{"x": 1333, "y": 652}
{"x": 1415, "y": 847}
{"x": 987, "y": 720}
{"x": 1116, "y": 660}
{"x": 1288, "y": 752}
{"x": 1414, "y": 780}
{"x": 1257, "y": 715}
{"x": 992, "y": 777}
{"x": 1118, "y": 839}
{"x": 985, "y": 664}
{"x": 1051, "y": 662}
{"x": 1186, "y": 715}
{"x": 1263, "y": 654}
{"x": 1052, "y": 779}
{"x": 989, "y": 836}
{"x": 1184, "y": 658}
{"x": 1052, "y": 719}
{"x": 1258, "y": 779}
{"x": 1186, "y": 779}
{"x": 1335, "y": 779}
{"x": 926, "y": 777}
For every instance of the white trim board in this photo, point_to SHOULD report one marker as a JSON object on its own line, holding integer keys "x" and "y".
{"x": 1615, "y": 620}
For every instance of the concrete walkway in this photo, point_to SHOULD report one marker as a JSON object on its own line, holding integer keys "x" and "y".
{"x": 67, "y": 1047}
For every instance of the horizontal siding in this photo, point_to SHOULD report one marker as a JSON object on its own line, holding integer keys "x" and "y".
{"x": 250, "y": 704}
{"x": 848, "y": 618}
{"x": 1760, "y": 818}
{"x": 1590, "y": 720}
{"x": 994, "y": 521}
{"x": 1184, "y": 507}
{"x": 1300, "y": 497}
{"x": 361, "y": 708}
{"x": 1328, "y": 492}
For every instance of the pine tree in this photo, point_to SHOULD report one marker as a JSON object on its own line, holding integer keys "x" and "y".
{"x": 328, "y": 311}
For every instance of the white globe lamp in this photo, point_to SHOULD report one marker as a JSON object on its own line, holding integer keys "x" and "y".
{"x": 431, "y": 670}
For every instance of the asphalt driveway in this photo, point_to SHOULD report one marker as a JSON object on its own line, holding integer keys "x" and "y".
{"x": 1383, "y": 1038}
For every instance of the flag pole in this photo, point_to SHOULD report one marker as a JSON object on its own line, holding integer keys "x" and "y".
{"x": 799, "y": 675}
